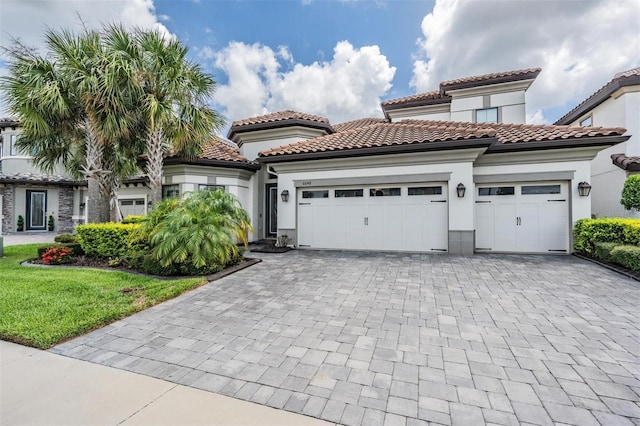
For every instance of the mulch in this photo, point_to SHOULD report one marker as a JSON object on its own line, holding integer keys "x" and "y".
{"x": 611, "y": 266}
{"x": 89, "y": 262}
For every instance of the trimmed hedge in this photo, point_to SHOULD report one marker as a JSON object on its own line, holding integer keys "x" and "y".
{"x": 66, "y": 238}
{"x": 106, "y": 240}
{"x": 603, "y": 251}
{"x": 133, "y": 219}
{"x": 607, "y": 230}
{"x": 627, "y": 256}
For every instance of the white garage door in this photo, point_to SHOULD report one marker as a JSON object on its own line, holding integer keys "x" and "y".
{"x": 385, "y": 217}
{"x": 525, "y": 217}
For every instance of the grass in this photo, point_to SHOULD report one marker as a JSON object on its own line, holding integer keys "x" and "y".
{"x": 41, "y": 307}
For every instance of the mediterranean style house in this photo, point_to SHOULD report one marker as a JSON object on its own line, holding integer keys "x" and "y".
{"x": 453, "y": 170}
{"x": 616, "y": 104}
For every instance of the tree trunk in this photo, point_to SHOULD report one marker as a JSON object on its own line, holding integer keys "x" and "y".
{"x": 155, "y": 157}
{"x": 98, "y": 202}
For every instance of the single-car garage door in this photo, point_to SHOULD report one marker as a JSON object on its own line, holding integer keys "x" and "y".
{"x": 524, "y": 217}
{"x": 132, "y": 207}
{"x": 385, "y": 217}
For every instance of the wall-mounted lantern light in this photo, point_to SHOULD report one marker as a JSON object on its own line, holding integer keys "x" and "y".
{"x": 149, "y": 204}
{"x": 285, "y": 196}
{"x": 461, "y": 190}
{"x": 584, "y": 189}
{"x": 82, "y": 205}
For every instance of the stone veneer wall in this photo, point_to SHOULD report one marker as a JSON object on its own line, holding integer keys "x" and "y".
{"x": 65, "y": 209}
{"x": 8, "y": 220}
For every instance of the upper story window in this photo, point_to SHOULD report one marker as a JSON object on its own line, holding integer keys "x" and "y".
{"x": 487, "y": 115}
{"x": 12, "y": 145}
{"x": 586, "y": 122}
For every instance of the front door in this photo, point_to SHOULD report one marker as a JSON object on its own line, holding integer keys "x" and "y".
{"x": 271, "y": 204}
{"x": 36, "y": 210}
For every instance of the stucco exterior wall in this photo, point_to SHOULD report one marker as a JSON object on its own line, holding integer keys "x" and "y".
{"x": 607, "y": 179}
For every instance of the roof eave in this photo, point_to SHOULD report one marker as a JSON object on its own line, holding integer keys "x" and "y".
{"x": 505, "y": 79}
{"x": 250, "y": 166}
{"x": 382, "y": 150}
{"x": 557, "y": 143}
{"x": 599, "y": 97}
{"x": 630, "y": 167}
{"x": 233, "y": 131}
{"x": 41, "y": 183}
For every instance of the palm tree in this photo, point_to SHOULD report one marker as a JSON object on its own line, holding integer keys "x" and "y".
{"x": 72, "y": 106}
{"x": 173, "y": 101}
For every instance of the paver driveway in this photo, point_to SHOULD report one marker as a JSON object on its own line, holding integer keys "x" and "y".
{"x": 362, "y": 338}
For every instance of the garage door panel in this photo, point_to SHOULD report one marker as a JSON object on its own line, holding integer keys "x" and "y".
{"x": 531, "y": 217}
{"x": 375, "y": 219}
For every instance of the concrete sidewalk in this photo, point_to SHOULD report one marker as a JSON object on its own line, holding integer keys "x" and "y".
{"x": 38, "y": 387}
{"x": 28, "y": 238}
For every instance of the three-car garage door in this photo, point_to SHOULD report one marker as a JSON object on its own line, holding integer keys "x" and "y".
{"x": 385, "y": 217}
{"x": 526, "y": 217}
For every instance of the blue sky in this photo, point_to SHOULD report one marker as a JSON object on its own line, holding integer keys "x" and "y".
{"x": 341, "y": 58}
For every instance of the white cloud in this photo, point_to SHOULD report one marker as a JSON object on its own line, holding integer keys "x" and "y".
{"x": 27, "y": 20}
{"x": 578, "y": 45}
{"x": 348, "y": 86}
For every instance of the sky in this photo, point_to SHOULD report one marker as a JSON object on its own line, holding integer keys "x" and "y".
{"x": 341, "y": 58}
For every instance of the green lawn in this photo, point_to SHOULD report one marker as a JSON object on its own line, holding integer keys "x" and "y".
{"x": 44, "y": 306}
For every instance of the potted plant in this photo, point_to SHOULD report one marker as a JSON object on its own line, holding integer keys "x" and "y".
{"x": 20, "y": 224}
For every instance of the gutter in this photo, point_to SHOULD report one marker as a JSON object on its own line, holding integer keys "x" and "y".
{"x": 252, "y": 166}
{"x": 558, "y": 143}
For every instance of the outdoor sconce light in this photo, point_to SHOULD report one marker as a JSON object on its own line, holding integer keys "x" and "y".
{"x": 285, "y": 196}
{"x": 149, "y": 204}
{"x": 461, "y": 190}
{"x": 584, "y": 189}
{"x": 82, "y": 206}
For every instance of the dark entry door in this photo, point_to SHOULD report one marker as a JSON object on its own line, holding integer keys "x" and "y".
{"x": 37, "y": 210}
{"x": 271, "y": 204}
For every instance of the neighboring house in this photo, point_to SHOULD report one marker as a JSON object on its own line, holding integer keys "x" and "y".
{"x": 455, "y": 170}
{"x": 616, "y": 104}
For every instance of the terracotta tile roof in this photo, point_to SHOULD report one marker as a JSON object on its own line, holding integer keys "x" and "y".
{"x": 485, "y": 79}
{"x": 277, "y": 120}
{"x": 356, "y": 124}
{"x": 631, "y": 164}
{"x": 519, "y": 133}
{"x": 37, "y": 178}
{"x": 625, "y": 78}
{"x": 220, "y": 150}
{"x": 434, "y": 97}
{"x": 440, "y": 96}
{"x": 382, "y": 134}
{"x": 279, "y": 116}
{"x": 410, "y": 132}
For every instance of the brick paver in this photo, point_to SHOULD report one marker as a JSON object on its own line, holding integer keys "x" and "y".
{"x": 391, "y": 338}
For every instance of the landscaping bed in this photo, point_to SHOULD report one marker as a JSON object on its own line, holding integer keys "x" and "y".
{"x": 44, "y": 306}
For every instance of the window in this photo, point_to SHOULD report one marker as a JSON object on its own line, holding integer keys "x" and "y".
{"x": 126, "y": 202}
{"x": 170, "y": 191}
{"x": 12, "y": 145}
{"x": 384, "y": 192}
{"x": 425, "y": 190}
{"x": 586, "y": 122}
{"x": 203, "y": 187}
{"x": 315, "y": 194}
{"x": 540, "y": 189}
{"x": 347, "y": 193}
{"x": 487, "y": 115}
{"x": 496, "y": 190}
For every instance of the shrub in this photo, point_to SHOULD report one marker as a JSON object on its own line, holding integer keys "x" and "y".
{"x": 20, "y": 224}
{"x": 51, "y": 225}
{"x": 106, "y": 240}
{"x": 631, "y": 193}
{"x": 603, "y": 251}
{"x": 76, "y": 248}
{"x": 199, "y": 231}
{"x": 627, "y": 256}
{"x": 57, "y": 256}
{"x": 133, "y": 219}
{"x": 66, "y": 238}
{"x": 610, "y": 230}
